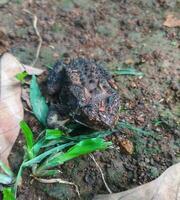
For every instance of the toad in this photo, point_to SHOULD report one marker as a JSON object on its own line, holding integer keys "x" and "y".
{"x": 85, "y": 92}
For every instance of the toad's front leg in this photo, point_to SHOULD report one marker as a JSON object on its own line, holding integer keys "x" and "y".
{"x": 55, "y": 118}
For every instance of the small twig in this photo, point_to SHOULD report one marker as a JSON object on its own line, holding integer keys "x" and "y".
{"x": 103, "y": 178}
{"x": 58, "y": 180}
{"x": 35, "y": 19}
{"x": 29, "y": 111}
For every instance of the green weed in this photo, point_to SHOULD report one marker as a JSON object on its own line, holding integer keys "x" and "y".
{"x": 21, "y": 76}
{"x": 128, "y": 71}
{"x": 8, "y": 194}
{"x": 38, "y": 102}
{"x": 7, "y": 178}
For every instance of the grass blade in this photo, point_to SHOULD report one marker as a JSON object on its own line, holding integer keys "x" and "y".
{"x": 8, "y": 194}
{"x": 94, "y": 134}
{"x": 128, "y": 71}
{"x": 42, "y": 156}
{"x": 18, "y": 177}
{"x": 46, "y": 173}
{"x": 52, "y": 143}
{"x": 5, "y": 179}
{"x": 81, "y": 148}
{"x": 38, "y": 102}
{"x": 28, "y": 135}
{"x": 38, "y": 145}
{"x": 53, "y": 134}
{"x": 6, "y": 169}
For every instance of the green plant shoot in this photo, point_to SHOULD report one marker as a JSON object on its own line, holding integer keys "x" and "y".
{"x": 28, "y": 135}
{"x": 38, "y": 102}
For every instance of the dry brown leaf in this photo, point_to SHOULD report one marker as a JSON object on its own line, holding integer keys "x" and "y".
{"x": 26, "y": 98}
{"x": 166, "y": 187}
{"x": 11, "y": 109}
{"x": 127, "y": 146}
{"x": 171, "y": 21}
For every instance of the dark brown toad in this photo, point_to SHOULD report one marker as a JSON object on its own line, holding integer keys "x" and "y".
{"x": 86, "y": 93}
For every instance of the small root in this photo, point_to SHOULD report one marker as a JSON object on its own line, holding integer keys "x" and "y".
{"x": 102, "y": 175}
{"x": 58, "y": 180}
{"x": 35, "y": 19}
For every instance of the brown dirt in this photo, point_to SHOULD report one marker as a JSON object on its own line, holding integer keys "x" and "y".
{"x": 120, "y": 34}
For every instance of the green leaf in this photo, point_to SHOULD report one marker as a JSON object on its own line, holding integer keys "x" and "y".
{"x": 8, "y": 194}
{"x": 81, "y": 148}
{"x": 157, "y": 122}
{"x": 46, "y": 173}
{"x": 52, "y": 143}
{"x": 21, "y": 76}
{"x": 38, "y": 145}
{"x": 52, "y": 134}
{"x": 6, "y": 169}
{"x": 18, "y": 180}
{"x": 28, "y": 135}
{"x": 5, "y": 179}
{"x": 94, "y": 134}
{"x": 76, "y": 139}
{"x": 128, "y": 71}
{"x": 42, "y": 156}
{"x": 38, "y": 102}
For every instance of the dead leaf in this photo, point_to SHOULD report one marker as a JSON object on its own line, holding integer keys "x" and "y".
{"x": 166, "y": 187}
{"x": 171, "y": 21}
{"x": 11, "y": 109}
{"x": 126, "y": 145}
{"x": 26, "y": 98}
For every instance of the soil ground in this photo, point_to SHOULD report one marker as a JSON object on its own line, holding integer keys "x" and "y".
{"x": 121, "y": 34}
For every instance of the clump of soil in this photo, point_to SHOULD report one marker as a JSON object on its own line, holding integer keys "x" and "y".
{"x": 122, "y": 34}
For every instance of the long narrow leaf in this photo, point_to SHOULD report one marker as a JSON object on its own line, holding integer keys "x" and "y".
{"x": 52, "y": 134}
{"x": 81, "y": 148}
{"x": 38, "y": 145}
{"x": 42, "y": 156}
{"x": 52, "y": 143}
{"x": 18, "y": 177}
{"x": 64, "y": 138}
{"x": 6, "y": 169}
{"x": 46, "y": 173}
{"x": 8, "y": 194}
{"x": 28, "y": 135}
{"x": 38, "y": 102}
{"x": 95, "y": 134}
{"x": 5, "y": 179}
{"x": 128, "y": 71}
